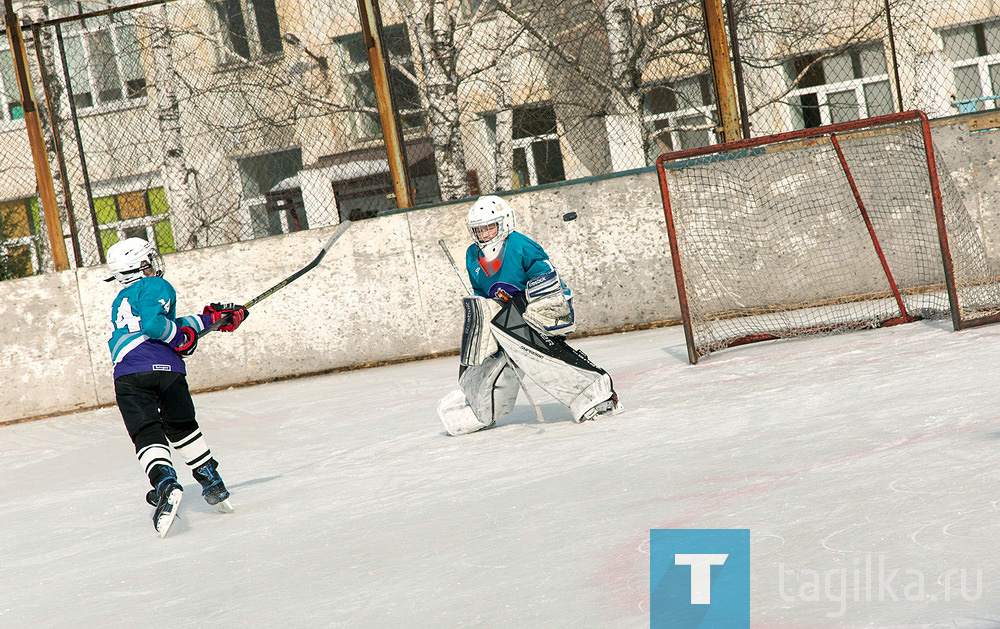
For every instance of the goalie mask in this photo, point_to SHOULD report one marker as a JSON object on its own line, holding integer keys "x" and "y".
{"x": 130, "y": 259}
{"x": 491, "y": 220}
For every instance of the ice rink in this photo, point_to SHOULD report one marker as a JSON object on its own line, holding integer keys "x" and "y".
{"x": 850, "y": 459}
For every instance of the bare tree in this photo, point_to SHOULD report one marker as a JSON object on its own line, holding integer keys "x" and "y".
{"x": 178, "y": 176}
{"x": 433, "y": 26}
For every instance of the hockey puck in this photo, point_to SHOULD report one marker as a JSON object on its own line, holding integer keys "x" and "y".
{"x": 569, "y": 216}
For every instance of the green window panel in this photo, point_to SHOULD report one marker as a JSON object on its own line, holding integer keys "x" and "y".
{"x": 158, "y": 201}
{"x": 104, "y": 207}
{"x": 164, "y": 237}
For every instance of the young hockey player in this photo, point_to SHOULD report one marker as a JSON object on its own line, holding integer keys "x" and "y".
{"x": 518, "y": 319}
{"x": 148, "y": 346}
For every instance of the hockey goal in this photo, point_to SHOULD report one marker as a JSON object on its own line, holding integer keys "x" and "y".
{"x": 819, "y": 231}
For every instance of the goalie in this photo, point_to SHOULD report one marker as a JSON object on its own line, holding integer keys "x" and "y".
{"x": 517, "y": 319}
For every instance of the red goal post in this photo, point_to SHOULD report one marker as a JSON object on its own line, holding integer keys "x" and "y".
{"x": 819, "y": 231}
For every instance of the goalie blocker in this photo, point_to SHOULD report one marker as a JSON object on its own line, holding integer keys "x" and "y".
{"x": 489, "y": 384}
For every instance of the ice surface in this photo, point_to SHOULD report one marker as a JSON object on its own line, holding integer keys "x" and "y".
{"x": 354, "y": 509}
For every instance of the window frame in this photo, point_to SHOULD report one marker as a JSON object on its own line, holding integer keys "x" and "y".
{"x": 226, "y": 53}
{"x": 7, "y": 119}
{"x": 823, "y": 90}
{"x": 354, "y": 72}
{"x": 258, "y": 206}
{"x": 147, "y": 222}
{"x": 526, "y": 145}
{"x": 83, "y": 32}
{"x": 707, "y": 111}
{"x": 987, "y": 98}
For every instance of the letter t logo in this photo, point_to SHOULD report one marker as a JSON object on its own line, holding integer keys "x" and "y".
{"x": 701, "y": 574}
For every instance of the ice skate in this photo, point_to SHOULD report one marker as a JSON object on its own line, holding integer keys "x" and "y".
{"x": 167, "y": 494}
{"x": 213, "y": 489}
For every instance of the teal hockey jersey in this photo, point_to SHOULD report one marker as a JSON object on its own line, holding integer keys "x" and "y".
{"x": 520, "y": 260}
{"x": 143, "y": 317}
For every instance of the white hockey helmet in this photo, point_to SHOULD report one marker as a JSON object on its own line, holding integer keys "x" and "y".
{"x": 129, "y": 260}
{"x": 491, "y": 220}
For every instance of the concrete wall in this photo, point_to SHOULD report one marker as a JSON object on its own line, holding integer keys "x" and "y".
{"x": 386, "y": 291}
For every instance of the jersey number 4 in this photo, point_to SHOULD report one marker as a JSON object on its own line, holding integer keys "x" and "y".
{"x": 125, "y": 318}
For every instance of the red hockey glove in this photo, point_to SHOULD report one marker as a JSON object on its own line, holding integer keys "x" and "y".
{"x": 186, "y": 345}
{"x": 218, "y": 311}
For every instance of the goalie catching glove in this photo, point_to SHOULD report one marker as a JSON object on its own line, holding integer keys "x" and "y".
{"x": 550, "y": 308}
{"x": 218, "y": 311}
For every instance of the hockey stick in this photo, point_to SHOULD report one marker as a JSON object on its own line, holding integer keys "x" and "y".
{"x": 337, "y": 233}
{"x": 520, "y": 381}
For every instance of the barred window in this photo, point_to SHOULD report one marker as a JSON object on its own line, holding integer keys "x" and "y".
{"x": 135, "y": 214}
{"x": 847, "y": 86}
{"x": 974, "y": 52}
{"x": 680, "y": 115}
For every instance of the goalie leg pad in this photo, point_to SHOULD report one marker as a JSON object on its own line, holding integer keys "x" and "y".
{"x": 457, "y": 415}
{"x": 477, "y": 338}
{"x": 562, "y": 371}
{"x": 490, "y": 388}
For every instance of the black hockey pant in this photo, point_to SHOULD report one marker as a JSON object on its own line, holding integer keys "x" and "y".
{"x": 157, "y": 408}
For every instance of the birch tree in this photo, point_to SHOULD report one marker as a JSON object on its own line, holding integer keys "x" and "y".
{"x": 177, "y": 175}
{"x": 433, "y": 26}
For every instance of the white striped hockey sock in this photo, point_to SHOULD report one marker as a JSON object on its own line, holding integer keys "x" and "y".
{"x": 192, "y": 449}
{"x": 152, "y": 455}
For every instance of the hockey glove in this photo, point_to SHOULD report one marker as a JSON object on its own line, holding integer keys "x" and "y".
{"x": 187, "y": 341}
{"x": 218, "y": 311}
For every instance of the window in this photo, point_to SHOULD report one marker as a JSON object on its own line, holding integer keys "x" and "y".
{"x": 135, "y": 214}
{"x": 102, "y": 54}
{"x": 20, "y": 245}
{"x": 248, "y": 29}
{"x": 844, "y": 87}
{"x": 261, "y": 173}
{"x": 8, "y": 87}
{"x": 537, "y": 156}
{"x": 680, "y": 115}
{"x": 974, "y": 52}
{"x": 361, "y": 87}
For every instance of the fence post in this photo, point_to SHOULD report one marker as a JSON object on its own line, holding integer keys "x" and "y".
{"x": 43, "y": 175}
{"x": 721, "y": 72}
{"x": 371, "y": 28}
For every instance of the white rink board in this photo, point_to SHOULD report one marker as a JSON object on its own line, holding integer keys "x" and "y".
{"x": 355, "y": 510}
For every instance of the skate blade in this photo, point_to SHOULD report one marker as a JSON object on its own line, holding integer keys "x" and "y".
{"x": 167, "y": 518}
{"x": 224, "y": 506}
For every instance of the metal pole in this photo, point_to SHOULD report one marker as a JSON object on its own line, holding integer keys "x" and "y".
{"x": 43, "y": 176}
{"x": 79, "y": 145}
{"x": 738, "y": 70}
{"x": 392, "y": 135}
{"x": 895, "y": 61}
{"x": 721, "y": 73}
{"x": 36, "y": 33}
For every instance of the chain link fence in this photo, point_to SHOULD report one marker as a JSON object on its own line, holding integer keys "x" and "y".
{"x": 194, "y": 123}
